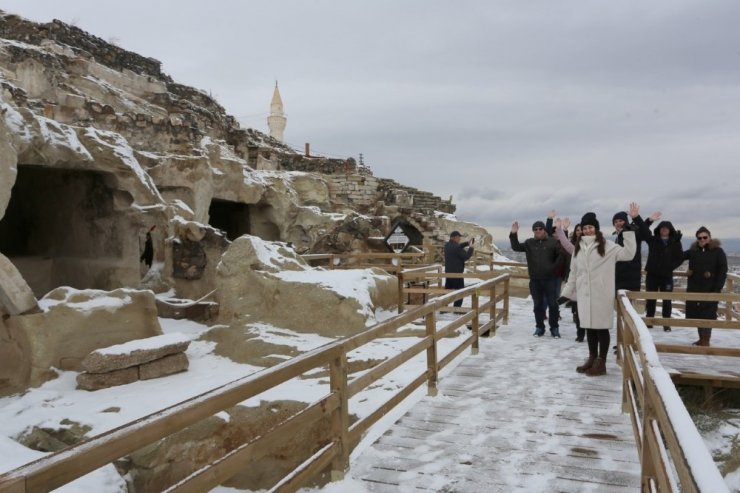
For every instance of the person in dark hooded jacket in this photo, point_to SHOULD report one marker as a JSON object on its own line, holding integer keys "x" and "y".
{"x": 707, "y": 274}
{"x": 627, "y": 274}
{"x": 665, "y": 254}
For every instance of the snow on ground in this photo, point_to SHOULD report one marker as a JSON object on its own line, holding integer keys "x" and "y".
{"x": 57, "y": 400}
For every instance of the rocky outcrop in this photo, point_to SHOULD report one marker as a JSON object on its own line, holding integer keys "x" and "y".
{"x": 259, "y": 281}
{"x": 98, "y": 145}
{"x": 73, "y": 324}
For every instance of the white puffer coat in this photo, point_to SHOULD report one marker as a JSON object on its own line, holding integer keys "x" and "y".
{"x": 591, "y": 280}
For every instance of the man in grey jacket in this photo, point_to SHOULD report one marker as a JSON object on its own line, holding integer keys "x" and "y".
{"x": 543, "y": 259}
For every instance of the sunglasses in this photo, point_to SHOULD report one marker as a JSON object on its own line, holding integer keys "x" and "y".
{"x": 538, "y": 229}
{"x": 702, "y": 237}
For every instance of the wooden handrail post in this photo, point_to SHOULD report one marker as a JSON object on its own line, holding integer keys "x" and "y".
{"x": 492, "y": 312}
{"x": 400, "y": 291}
{"x": 626, "y": 369}
{"x": 506, "y": 301}
{"x": 432, "y": 361}
{"x": 648, "y": 471}
{"x": 440, "y": 270}
{"x": 620, "y": 328}
{"x": 340, "y": 416}
{"x": 728, "y": 304}
{"x": 476, "y": 323}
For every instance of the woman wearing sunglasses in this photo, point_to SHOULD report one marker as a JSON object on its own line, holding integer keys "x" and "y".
{"x": 707, "y": 274}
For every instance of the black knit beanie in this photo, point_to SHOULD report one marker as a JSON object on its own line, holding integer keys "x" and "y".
{"x": 589, "y": 219}
{"x": 620, "y": 215}
{"x": 538, "y": 224}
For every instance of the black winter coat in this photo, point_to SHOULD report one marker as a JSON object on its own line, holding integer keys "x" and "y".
{"x": 628, "y": 274}
{"x": 456, "y": 256}
{"x": 543, "y": 256}
{"x": 707, "y": 268}
{"x": 664, "y": 258}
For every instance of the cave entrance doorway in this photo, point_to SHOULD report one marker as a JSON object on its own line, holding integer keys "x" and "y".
{"x": 62, "y": 228}
{"x": 230, "y": 217}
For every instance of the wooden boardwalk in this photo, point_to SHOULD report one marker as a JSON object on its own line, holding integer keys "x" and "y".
{"x": 516, "y": 417}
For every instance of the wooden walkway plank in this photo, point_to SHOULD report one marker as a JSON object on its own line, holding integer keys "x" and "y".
{"x": 516, "y": 417}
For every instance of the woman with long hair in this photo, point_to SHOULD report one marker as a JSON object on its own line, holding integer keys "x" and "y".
{"x": 591, "y": 284}
{"x": 569, "y": 245}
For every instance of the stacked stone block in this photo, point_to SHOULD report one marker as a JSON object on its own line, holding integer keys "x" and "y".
{"x": 141, "y": 359}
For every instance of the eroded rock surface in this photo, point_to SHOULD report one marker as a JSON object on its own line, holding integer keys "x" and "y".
{"x": 260, "y": 281}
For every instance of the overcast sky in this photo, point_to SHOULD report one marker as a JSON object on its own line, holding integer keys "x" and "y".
{"x": 512, "y": 107}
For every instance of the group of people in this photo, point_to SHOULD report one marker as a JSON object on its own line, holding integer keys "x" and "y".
{"x": 595, "y": 268}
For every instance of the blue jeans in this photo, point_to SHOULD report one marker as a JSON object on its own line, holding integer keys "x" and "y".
{"x": 541, "y": 290}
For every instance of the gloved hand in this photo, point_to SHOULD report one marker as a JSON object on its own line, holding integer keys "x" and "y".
{"x": 562, "y": 300}
{"x": 679, "y": 235}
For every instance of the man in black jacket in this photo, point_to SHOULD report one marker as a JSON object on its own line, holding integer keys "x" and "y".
{"x": 665, "y": 254}
{"x": 456, "y": 254}
{"x": 543, "y": 259}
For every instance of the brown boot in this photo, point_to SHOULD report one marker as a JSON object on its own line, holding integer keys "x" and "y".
{"x": 703, "y": 340}
{"x": 586, "y": 364}
{"x": 598, "y": 368}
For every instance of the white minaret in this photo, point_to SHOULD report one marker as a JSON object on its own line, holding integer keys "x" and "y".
{"x": 276, "y": 121}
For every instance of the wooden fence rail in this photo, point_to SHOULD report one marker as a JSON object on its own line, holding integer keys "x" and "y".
{"x": 62, "y": 467}
{"x": 672, "y": 453}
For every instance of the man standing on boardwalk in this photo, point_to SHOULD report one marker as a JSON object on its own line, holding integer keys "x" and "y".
{"x": 456, "y": 254}
{"x": 543, "y": 260}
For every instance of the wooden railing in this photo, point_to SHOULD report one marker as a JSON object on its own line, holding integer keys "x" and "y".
{"x": 427, "y": 282}
{"x": 390, "y": 262}
{"x": 672, "y": 453}
{"x": 62, "y": 467}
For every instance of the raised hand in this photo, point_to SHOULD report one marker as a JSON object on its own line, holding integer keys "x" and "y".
{"x": 551, "y": 214}
{"x": 655, "y": 216}
{"x": 634, "y": 209}
{"x": 565, "y": 224}
{"x": 515, "y": 227}
{"x": 558, "y": 223}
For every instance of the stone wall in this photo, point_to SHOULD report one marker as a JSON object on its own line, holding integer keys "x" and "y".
{"x": 359, "y": 191}
{"x": 419, "y": 198}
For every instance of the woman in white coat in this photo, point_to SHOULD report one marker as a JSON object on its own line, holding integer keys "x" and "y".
{"x": 591, "y": 284}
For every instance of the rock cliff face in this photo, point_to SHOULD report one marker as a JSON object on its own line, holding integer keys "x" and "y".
{"x": 98, "y": 145}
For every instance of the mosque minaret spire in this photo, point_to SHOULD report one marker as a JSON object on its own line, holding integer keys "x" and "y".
{"x": 277, "y": 120}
